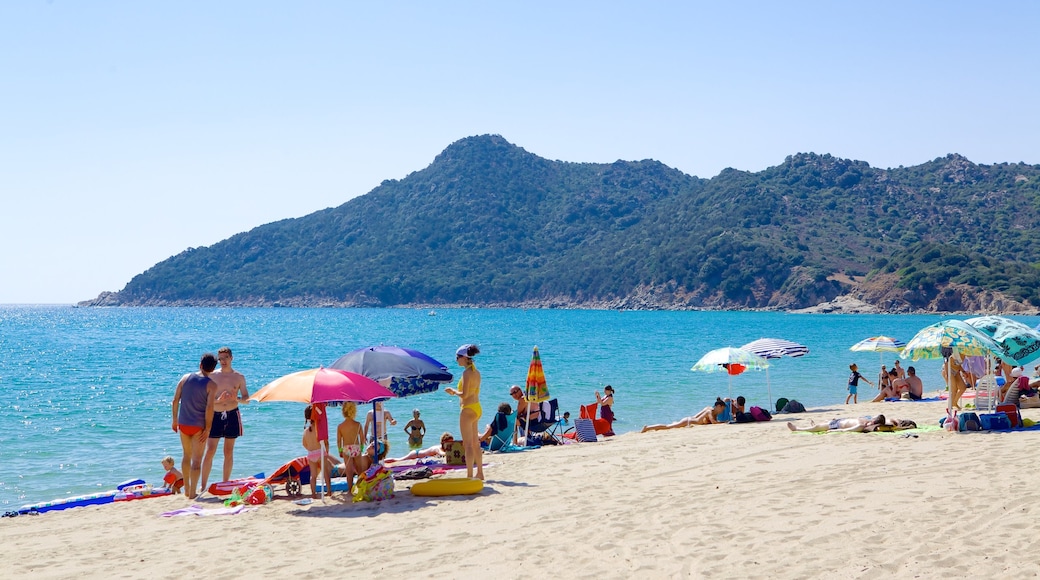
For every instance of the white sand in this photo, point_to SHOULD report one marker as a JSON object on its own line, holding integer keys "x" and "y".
{"x": 715, "y": 501}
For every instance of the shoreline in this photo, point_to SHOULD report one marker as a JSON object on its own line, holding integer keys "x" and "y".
{"x": 737, "y": 500}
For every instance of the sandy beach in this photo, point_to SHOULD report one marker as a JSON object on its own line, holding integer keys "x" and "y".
{"x": 720, "y": 501}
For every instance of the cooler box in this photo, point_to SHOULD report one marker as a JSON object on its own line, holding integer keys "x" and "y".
{"x": 995, "y": 422}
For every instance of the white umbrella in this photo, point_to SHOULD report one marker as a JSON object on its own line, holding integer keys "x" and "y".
{"x": 773, "y": 348}
{"x": 880, "y": 345}
{"x": 720, "y": 359}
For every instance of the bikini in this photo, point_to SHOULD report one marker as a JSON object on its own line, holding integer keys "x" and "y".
{"x": 474, "y": 406}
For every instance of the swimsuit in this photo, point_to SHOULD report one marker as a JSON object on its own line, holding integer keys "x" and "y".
{"x": 189, "y": 430}
{"x": 192, "y": 410}
{"x": 351, "y": 451}
{"x": 415, "y": 439}
{"x": 474, "y": 406}
{"x": 314, "y": 456}
{"x": 854, "y": 382}
{"x": 227, "y": 424}
{"x": 171, "y": 480}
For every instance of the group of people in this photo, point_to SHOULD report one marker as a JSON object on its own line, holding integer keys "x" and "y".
{"x": 205, "y": 410}
{"x": 892, "y": 383}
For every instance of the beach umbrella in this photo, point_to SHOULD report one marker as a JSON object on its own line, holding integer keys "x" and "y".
{"x": 1018, "y": 340}
{"x": 880, "y": 345}
{"x": 774, "y": 348}
{"x": 942, "y": 339}
{"x": 320, "y": 386}
{"x": 404, "y": 371}
{"x": 728, "y": 360}
{"x": 536, "y": 389}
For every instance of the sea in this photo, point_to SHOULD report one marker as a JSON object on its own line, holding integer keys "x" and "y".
{"x": 85, "y": 393}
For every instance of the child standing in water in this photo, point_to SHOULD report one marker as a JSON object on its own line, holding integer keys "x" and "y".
{"x": 315, "y": 455}
{"x": 415, "y": 429}
{"x": 854, "y": 379}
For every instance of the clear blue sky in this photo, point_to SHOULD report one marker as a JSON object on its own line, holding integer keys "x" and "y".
{"x": 130, "y": 131}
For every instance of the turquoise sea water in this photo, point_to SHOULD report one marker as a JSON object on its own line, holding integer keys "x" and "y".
{"x": 85, "y": 392}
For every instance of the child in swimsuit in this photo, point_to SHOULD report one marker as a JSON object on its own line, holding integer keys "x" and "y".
{"x": 315, "y": 456}
{"x": 415, "y": 429}
{"x": 348, "y": 440}
{"x": 173, "y": 480}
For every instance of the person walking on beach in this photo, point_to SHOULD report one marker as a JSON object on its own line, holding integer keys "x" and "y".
{"x": 854, "y": 379}
{"x": 468, "y": 393}
{"x": 193, "y": 417}
{"x": 227, "y": 419}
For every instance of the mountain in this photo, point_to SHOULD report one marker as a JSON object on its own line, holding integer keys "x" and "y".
{"x": 488, "y": 223}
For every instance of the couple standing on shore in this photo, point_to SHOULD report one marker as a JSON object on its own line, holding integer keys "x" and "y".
{"x": 205, "y": 410}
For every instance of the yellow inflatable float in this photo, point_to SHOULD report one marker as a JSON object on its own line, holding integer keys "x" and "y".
{"x": 448, "y": 486}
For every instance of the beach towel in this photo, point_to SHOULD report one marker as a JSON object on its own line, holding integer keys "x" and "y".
{"x": 197, "y": 510}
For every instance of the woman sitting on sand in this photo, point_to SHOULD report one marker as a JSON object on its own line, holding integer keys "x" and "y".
{"x": 707, "y": 416}
{"x": 890, "y": 388}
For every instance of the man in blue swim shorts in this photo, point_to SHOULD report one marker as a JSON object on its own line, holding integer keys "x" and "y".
{"x": 227, "y": 419}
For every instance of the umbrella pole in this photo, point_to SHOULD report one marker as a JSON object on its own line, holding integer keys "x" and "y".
{"x": 769, "y": 393}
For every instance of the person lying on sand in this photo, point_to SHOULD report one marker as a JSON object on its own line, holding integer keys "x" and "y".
{"x": 706, "y": 416}
{"x": 434, "y": 451}
{"x": 850, "y": 425}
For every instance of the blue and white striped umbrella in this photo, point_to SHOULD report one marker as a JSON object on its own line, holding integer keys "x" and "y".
{"x": 771, "y": 348}
{"x": 775, "y": 348}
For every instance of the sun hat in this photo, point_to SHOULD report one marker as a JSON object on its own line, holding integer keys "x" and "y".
{"x": 463, "y": 350}
{"x": 1016, "y": 372}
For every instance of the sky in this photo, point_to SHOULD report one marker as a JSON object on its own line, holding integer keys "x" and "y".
{"x": 131, "y": 131}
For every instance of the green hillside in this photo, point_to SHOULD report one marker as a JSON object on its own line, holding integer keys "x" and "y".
{"x": 489, "y": 223}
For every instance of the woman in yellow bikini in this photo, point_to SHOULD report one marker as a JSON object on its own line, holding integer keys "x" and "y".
{"x": 469, "y": 397}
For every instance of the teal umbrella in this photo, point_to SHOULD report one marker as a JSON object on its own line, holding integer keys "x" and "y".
{"x": 1018, "y": 341}
{"x": 946, "y": 337}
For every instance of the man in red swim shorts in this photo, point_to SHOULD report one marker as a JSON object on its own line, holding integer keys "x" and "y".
{"x": 193, "y": 417}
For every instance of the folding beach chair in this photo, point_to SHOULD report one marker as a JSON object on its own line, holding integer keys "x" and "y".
{"x": 551, "y": 424}
{"x": 503, "y": 437}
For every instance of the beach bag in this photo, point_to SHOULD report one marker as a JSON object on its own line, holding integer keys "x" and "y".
{"x": 1012, "y": 414}
{"x": 760, "y": 414}
{"x": 744, "y": 417}
{"x": 995, "y": 422}
{"x": 793, "y": 406}
{"x": 376, "y": 485}
{"x": 969, "y": 422}
{"x": 455, "y": 454}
